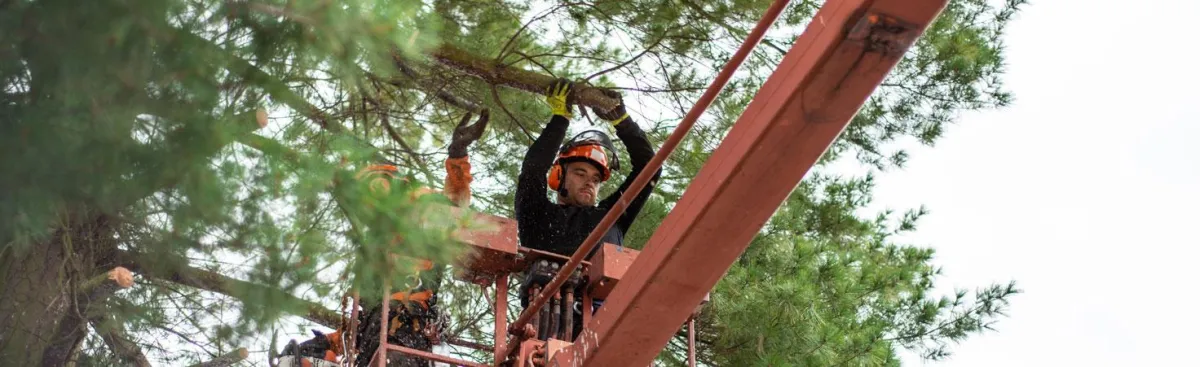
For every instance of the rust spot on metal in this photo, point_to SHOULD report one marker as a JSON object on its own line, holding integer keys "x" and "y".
{"x": 875, "y": 39}
{"x": 884, "y": 34}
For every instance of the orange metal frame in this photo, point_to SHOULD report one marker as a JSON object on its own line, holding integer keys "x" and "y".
{"x": 495, "y": 255}
{"x": 832, "y": 68}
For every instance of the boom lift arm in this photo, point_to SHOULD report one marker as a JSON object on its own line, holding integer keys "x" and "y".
{"x": 842, "y": 56}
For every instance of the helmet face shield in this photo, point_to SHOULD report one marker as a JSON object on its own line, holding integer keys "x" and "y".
{"x": 594, "y": 137}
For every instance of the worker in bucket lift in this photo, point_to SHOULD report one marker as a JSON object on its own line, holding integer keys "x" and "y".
{"x": 577, "y": 170}
{"x": 413, "y": 314}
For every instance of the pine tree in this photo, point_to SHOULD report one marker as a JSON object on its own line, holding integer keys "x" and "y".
{"x": 210, "y": 147}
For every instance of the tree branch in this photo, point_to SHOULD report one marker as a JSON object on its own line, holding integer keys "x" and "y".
{"x": 70, "y": 331}
{"x": 497, "y": 74}
{"x": 537, "y": 18}
{"x": 627, "y": 62}
{"x": 118, "y": 341}
{"x": 420, "y": 163}
{"x": 254, "y": 75}
{"x": 741, "y": 33}
{"x": 177, "y": 271}
{"x": 533, "y": 60}
{"x": 273, "y": 86}
{"x": 227, "y": 359}
{"x": 443, "y": 94}
{"x": 167, "y": 173}
{"x": 486, "y": 69}
{"x": 515, "y": 120}
{"x": 104, "y": 285}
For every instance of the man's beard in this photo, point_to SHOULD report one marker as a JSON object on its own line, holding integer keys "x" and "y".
{"x": 585, "y": 198}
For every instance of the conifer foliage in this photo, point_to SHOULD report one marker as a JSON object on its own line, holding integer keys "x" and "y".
{"x": 211, "y": 147}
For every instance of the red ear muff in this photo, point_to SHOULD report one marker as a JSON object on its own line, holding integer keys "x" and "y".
{"x": 555, "y": 177}
{"x": 589, "y": 151}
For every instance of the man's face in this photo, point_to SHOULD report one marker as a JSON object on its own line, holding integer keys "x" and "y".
{"x": 582, "y": 184}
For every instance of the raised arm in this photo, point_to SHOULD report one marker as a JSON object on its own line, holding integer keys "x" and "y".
{"x": 640, "y": 153}
{"x": 531, "y": 183}
{"x": 458, "y": 166}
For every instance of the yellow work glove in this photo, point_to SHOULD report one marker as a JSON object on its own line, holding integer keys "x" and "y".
{"x": 556, "y": 97}
{"x": 616, "y": 115}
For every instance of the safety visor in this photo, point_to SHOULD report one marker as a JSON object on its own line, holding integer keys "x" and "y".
{"x": 595, "y": 137}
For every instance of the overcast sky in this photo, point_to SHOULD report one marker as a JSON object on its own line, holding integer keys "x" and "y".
{"x": 1084, "y": 191}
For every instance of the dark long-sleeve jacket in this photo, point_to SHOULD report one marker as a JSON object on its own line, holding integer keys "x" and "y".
{"x": 549, "y": 226}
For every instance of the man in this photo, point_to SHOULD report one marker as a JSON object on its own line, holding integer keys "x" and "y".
{"x": 413, "y": 313}
{"x": 576, "y": 172}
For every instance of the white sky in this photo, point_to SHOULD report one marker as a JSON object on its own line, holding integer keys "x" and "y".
{"x": 1084, "y": 191}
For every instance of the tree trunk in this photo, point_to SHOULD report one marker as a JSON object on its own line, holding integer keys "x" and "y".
{"x": 42, "y": 317}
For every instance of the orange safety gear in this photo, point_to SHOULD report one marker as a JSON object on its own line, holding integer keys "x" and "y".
{"x": 588, "y": 146}
{"x": 412, "y": 312}
{"x": 379, "y": 179}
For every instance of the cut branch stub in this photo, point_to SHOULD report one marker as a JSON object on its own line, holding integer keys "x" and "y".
{"x": 103, "y": 285}
{"x": 122, "y": 277}
{"x": 260, "y": 116}
{"x": 490, "y": 72}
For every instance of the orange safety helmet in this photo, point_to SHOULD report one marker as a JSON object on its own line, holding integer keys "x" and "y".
{"x": 588, "y": 146}
{"x": 379, "y": 178}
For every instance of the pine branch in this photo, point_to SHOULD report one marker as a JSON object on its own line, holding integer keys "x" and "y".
{"x": 167, "y": 173}
{"x": 118, "y": 341}
{"x": 500, "y": 102}
{"x": 227, "y": 359}
{"x": 486, "y": 69}
{"x": 627, "y": 62}
{"x": 273, "y": 86}
{"x": 525, "y": 26}
{"x": 494, "y": 73}
{"x": 292, "y": 100}
{"x": 71, "y": 330}
{"x": 417, "y": 160}
{"x": 256, "y": 76}
{"x": 441, "y": 92}
{"x": 176, "y": 270}
{"x": 729, "y": 28}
